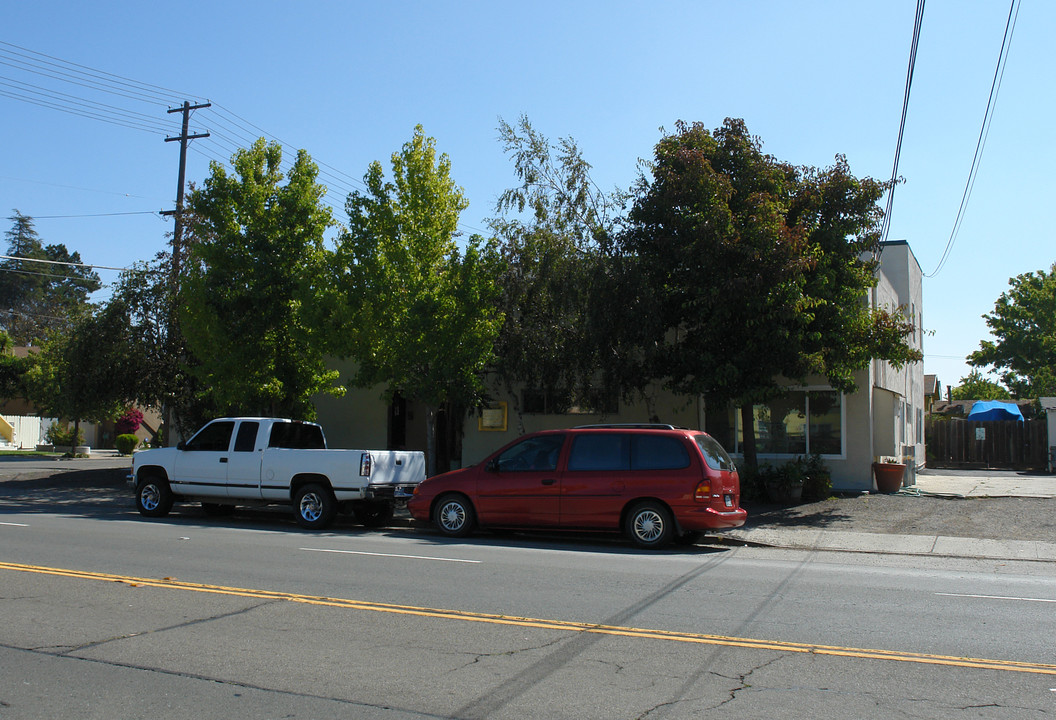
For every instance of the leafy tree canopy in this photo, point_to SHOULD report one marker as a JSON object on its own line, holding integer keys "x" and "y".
{"x": 419, "y": 315}
{"x": 757, "y": 269}
{"x": 38, "y": 297}
{"x": 254, "y": 271}
{"x": 976, "y": 387}
{"x": 1023, "y": 324}
{"x": 558, "y": 282}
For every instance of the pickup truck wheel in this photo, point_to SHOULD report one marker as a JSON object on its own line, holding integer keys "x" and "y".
{"x": 373, "y": 514}
{"x": 649, "y": 525}
{"x": 153, "y": 496}
{"x": 314, "y": 506}
{"x": 454, "y": 516}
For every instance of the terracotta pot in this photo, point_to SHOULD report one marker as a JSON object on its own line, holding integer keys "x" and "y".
{"x": 888, "y": 476}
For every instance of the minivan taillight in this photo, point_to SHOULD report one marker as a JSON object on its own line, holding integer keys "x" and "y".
{"x": 703, "y": 490}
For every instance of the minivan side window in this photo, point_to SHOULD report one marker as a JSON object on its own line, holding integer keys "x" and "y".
{"x": 602, "y": 451}
{"x": 658, "y": 452}
{"x": 534, "y": 454}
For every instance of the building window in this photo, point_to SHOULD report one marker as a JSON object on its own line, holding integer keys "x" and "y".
{"x": 548, "y": 402}
{"x": 803, "y": 422}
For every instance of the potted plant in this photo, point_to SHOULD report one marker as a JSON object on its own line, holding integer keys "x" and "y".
{"x": 888, "y": 472}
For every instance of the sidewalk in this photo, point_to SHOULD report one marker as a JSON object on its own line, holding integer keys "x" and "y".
{"x": 937, "y": 483}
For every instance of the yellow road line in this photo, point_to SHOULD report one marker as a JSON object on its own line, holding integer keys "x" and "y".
{"x": 564, "y": 625}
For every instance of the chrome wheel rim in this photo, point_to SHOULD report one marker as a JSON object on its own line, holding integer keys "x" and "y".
{"x": 150, "y": 497}
{"x": 648, "y": 526}
{"x": 311, "y": 507}
{"x": 452, "y": 516}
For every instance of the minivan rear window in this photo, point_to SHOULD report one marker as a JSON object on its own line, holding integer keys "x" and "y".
{"x": 714, "y": 455}
{"x": 658, "y": 452}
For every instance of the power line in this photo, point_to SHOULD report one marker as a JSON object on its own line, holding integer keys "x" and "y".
{"x": 60, "y": 262}
{"x": 918, "y": 20}
{"x": 984, "y": 131}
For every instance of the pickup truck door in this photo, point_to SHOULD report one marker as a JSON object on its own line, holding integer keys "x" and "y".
{"x": 244, "y": 461}
{"x": 201, "y": 463}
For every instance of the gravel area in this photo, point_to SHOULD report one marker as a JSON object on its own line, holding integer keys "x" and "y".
{"x": 990, "y": 518}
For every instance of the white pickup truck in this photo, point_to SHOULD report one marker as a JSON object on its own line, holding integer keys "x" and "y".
{"x": 269, "y": 461}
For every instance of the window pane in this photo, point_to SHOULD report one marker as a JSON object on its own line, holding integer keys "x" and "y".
{"x": 534, "y": 454}
{"x": 781, "y": 425}
{"x": 247, "y": 436}
{"x": 600, "y": 452}
{"x": 658, "y": 452}
{"x": 214, "y": 437}
{"x": 825, "y": 411}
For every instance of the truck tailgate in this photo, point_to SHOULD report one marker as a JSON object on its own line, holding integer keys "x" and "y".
{"x": 397, "y": 467}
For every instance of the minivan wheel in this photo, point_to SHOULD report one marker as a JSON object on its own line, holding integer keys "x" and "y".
{"x": 649, "y": 525}
{"x": 454, "y": 516}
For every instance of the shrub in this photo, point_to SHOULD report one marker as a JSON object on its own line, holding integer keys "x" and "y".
{"x": 128, "y": 423}
{"x": 62, "y": 435}
{"x": 817, "y": 480}
{"x": 126, "y": 443}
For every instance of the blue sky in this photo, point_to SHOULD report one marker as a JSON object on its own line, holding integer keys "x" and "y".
{"x": 348, "y": 81}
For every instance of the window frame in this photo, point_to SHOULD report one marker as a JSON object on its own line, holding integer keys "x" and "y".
{"x": 806, "y": 390}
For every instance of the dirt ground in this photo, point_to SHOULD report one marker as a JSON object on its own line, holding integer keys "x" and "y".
{"x": 990, "y": 518}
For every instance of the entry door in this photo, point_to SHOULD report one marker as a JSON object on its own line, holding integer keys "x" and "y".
{"x": 201, "y": 465}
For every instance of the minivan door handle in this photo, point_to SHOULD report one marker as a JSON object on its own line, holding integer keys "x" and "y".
{"x": 223, "y": 459}
{"x": 549, "y": 481}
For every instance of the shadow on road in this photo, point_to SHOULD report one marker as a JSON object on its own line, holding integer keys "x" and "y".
{"x": 102, "y": 494}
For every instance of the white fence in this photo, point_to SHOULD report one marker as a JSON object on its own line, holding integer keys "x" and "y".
{"x": 30, "y": 431}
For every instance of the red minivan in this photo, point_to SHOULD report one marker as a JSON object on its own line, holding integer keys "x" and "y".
{"x": 656, "y": 483}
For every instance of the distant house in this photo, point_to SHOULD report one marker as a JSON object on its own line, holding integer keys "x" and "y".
{"x": 932, "y": 392}
{"x": 884, "y": 418}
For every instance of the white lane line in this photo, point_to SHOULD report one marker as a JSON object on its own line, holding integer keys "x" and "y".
{"x": 392, "y": 555}
{"x": 14, "y": 524}
{"x": 997, "y": 597}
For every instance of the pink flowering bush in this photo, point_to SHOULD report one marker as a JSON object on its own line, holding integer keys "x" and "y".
{"x": 128, "y": 423}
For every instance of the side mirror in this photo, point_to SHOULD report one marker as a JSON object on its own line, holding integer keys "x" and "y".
{"x": 492, "y": 466}
{"x": 181, "y": 445}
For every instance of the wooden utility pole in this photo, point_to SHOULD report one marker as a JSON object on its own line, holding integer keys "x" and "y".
{"x": 183, "y": 137}
{"x": 177, "y": 233}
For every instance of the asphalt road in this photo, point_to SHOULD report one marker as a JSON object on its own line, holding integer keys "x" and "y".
{"x": 110, "y": 615}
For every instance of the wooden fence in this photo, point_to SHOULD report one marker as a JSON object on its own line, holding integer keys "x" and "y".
{"x": 1012, "y": 444}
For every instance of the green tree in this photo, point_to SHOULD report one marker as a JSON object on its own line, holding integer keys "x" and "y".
{"x": 975, "y": 387}
{"x": 557, "y": 280}
{"x": 254, "y": 272}
{"x": 41, "y": 287}
{"x": 12, "y": 370}
{"x": 1023, "y": 325}
{"x": 418, "y": 315}
{"x": 71, "y": 378}
{"x": 757, "y": 271}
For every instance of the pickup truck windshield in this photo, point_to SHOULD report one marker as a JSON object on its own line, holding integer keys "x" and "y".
{"x": 297, "y": 436}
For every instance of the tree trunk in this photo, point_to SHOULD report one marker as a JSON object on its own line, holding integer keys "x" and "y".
{"x": 430, "y": 441}
{"x": 751, "y": 463}
{"x": 75, "y": 437}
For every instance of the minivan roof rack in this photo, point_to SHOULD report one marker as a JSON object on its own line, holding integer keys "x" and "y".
{"x": 642, "y": 426}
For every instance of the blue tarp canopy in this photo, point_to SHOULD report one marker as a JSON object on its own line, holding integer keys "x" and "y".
{"x": 994, "y": 410}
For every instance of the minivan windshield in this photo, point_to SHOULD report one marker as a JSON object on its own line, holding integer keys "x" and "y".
{"x": 714, "y": 455}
